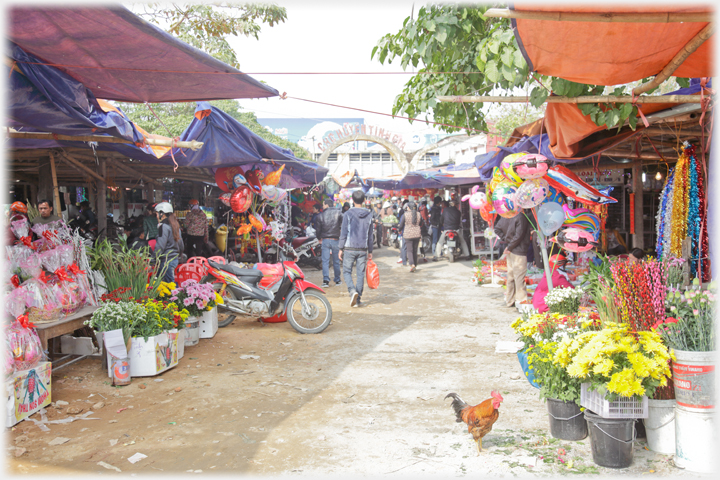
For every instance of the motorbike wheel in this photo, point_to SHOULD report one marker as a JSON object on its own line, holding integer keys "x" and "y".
{"x": 451, "y": 257}
{"x": 312, "y": 320}
{"x": 396, "y": 243}
{"x": 221, "y": 308}
{"x": 426, "y": 244}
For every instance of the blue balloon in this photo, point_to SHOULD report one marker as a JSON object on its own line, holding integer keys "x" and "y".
{"x": 550, "y": 216}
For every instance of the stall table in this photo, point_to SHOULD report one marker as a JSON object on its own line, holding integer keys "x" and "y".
{"x": 48, "y": 331}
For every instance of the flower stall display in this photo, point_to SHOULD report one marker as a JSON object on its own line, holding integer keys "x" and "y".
{"x": 478, "y": 276}
{"x": 197, "y": 298}
{"x": 563, "y": 300}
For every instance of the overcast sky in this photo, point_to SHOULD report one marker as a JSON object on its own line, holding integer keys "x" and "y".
{"x": 328, "y": 37}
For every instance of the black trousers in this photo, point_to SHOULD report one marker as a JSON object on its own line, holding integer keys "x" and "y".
{"x": 196, "y": 245}
{"x": 412, "y": 250}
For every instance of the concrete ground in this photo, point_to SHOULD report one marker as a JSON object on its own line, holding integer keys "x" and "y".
{"x": 365, "y": 397}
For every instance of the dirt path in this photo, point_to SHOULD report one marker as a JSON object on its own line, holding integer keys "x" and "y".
{"x": 364, "y": 397}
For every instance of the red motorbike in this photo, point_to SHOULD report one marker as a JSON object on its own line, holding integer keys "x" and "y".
{"x": 269, "y": 290}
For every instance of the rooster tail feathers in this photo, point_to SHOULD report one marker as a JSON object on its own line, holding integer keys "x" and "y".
{"x": 458, "y": 405}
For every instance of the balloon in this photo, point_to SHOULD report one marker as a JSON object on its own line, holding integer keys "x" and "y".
{"x": 571, "y": 185}
{"x": 497, "y": 177}
{"x": 550, "y": 217}
{"x": 225, "y": 199}
{"x": 238, "y": 180}
{"x": 531, "y": 165}
{"x": 257, "y": 221}
{"x": 273, "y": 178}
{"x": 224, "y": 177}
{"x": 241, "y": 199}
{"x": 475, "y": 199}
{"x": 582, "y": 218}
{"x": 575, "y": 240}
{"x": 506, "y": 167}
{"x": 486, "y": 212}
{"x": 554, "y": 196}
{"x": 269, "y": 193}
{"x": 532, "y": 193}
{"x": 503, "y": 200}
{"x": 253, "y": 178}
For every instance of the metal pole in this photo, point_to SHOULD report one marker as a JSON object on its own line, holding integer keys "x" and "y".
{"x": 546, "y": 263}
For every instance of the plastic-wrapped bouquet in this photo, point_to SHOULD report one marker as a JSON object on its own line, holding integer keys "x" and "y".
{"x": 41, "y": 302}
{"x": 30, "y": 267}
{"x": 565, "y": 301}
{"x": 25, "y": 346}
{"x": 21, "y": 228}
{"x": 195, "y": 297}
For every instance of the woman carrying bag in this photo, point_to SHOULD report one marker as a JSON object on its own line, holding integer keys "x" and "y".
{"x": 169, "y": 241}
{"x": 411, "y": 228}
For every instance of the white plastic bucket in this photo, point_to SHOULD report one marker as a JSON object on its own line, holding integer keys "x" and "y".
{"x": 660, "y": 426}
{"x": 694, "y": 379}
{"x": 192, "y": 331}
{"x": 695, "y": 440}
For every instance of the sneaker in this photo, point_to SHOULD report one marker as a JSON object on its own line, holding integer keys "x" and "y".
{"x": 399, "y": 260}
{"x": 412, "y": 269}
{"x": 338, "y": 283}
{"x": 325, "y": 285}
{"x": 358, "y": 304}
{"x": 354, "y": 298}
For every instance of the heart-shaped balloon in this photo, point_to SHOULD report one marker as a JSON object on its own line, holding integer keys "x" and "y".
{"x": 550, "y": 217}
{"x": 225, "y": 199}
{"x": 241, "y": 199}
{"x": 503, "y": 200}
{"x": 532, "y": 193}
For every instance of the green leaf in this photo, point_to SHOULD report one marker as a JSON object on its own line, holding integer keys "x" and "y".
{"x": 441, "y": 35}
{"x": 538, "y": 95}
{"x": 625, "y": 111}
{"x": 559, "y": 86}
{"x": 491, "y": 71}
{"x": 507, "y": 57}
{"x": 683, "y": 82}
{"x": 507, "y": 36}
{"x": 494, "y": 46}
{"x": 508, "y": 73}
{"x": 632, "y": 120}
{"x": 480, "y": 63}
{"x": 430, "y": 25}
{"x": 600, "y": 118}
{"x": 519, "y": 59}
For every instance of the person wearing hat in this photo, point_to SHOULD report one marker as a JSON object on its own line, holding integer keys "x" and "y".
{"x": 87, "y": 212}
{"x": 557, "y": 265}
{"x": 452, "y": 220}
{"x": 18, "y": 211}
{"x": 169, "y": 244}
{"x": 196, "y": 226}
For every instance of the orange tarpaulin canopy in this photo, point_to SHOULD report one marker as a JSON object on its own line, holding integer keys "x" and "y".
{"x": 600, "y": 53}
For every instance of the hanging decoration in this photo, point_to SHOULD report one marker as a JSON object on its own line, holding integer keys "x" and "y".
{"x": 273, "y": 178}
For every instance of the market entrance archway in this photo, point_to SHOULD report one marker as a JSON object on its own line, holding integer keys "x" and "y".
{"x": 397, "y": 155}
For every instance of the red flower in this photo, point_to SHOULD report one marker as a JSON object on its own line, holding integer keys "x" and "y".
{"x": 670, "y": 320}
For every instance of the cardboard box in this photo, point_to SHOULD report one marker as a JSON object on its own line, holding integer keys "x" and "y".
{"x": 27, "y": 392}
{"x": 70, "y": 345}
{"x": 151, "y": 357}
{"x": 209, "y": 323}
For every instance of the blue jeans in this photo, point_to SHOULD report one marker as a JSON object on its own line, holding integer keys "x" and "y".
{"x": 170, "y": 272}
{"x": 330, "y": 247}
{"x": 435, "y": 237}
{"x": 403, "y": 251}
{"x": 358, "y": 259}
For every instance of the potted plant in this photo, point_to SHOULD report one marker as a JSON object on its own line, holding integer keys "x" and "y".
{"x": 689, "y": 329}
{"x": 196, "y": 298}
{"x": 563, "y": 300}
{"x": 619, "y": 368}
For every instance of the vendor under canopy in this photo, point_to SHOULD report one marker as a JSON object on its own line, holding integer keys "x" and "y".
{"x": 556, "y": 263}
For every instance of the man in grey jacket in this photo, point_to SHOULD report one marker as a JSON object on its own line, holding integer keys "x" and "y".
{"x": 517, "y": 238}
{"x": 356, "y": 245}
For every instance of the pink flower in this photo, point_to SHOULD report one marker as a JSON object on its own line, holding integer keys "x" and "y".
{"x": 696, "y": 312}
{"x": 188, "y": 302}
{"x": 173, "y": 298}
{"x": 200, "y": 304}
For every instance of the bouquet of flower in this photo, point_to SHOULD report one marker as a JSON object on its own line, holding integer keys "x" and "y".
{"x": 117, "y": 315}
{"x": 159, "y": 317}
{"x": 478, "y": 277}
{"x": 21, "y": 228}
{"x": 673, "y": 271}
{"x": 565, "y": 301}
{"x": 616, "y": 361}
{"x": 690, "y": 324}
{"x": 195, "y": 297}
{"x": 640, "y": 292}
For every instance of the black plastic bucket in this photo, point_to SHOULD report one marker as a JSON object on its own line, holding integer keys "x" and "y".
{"x": 611, "y": 440}
{"x": 566, "y": 420}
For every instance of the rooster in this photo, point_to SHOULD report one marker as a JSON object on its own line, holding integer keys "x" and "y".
{"x": 479, "y": 418}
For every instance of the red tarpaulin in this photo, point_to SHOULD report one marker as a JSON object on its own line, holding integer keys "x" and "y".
{"x": 119, "y": 56}
{"x": 600, "y": 53}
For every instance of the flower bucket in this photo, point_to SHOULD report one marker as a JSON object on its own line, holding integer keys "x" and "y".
{"x": 566, "y": 420}
{"x": 660, "y": 426}
{"x": 192, "y": 331}
{"x": 611, "y": 440}
{"x": 523, "y": 358}
{"x": 694, "y": 379}
{"x": 181, "y": 343}
{"x": 696, "y": 440}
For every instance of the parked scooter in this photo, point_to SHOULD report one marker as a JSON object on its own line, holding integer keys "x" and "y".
{"x": 269, "y": 290}
{"x": 450, "y": 246}
{"x": 394, "y": 236}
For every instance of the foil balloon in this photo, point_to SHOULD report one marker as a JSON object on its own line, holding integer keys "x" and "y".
{"x": 503, "y": 200}
{"x": 554, "y": 196}
{"x": 225, "y": 199}
{"x": 571, "y": 185}
{"x": 273, "y": 178}
{"x": 270, "y": 193}
{"x": 224, "y": 177}
{"x": 496, "y": 178}
{"x": 581, "y": 218}
{"x": 241, "y": 199}
{"x": 475, "y": 198}
{"x": 532, "y": 193}
{"x": 575, "y": 240}
{"x": 253, "y": 178}
{"x": 486, "y": 211}
{"x": 531, "y": 165}
{"x": 550, "y": 217}
{"x": 257, "y": 221}
{"x": 239, "y": 179}
{"x": 507, "y": 164}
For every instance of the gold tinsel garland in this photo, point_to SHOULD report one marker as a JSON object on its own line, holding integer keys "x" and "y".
{"x": 681, "y": 200}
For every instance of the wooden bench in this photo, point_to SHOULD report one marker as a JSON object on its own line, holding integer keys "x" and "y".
{"x": 48, "y": 331}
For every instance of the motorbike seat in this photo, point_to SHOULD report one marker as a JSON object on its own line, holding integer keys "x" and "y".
{"x": 300, "y": 241}
{"x": 246, "y": 274}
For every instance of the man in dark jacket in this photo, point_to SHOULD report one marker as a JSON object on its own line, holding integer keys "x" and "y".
{"x": 328, "y": 233}
{"x": 356, "y": 245}
{"x": 452, "y": 220}
{"x": 517, "y": 239}
{"x": 435, "y": 223}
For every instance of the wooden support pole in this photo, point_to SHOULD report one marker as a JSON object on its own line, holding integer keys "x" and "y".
{"x": 102, "y": 197}
{"x": 169, "y": 142}
{"x": 638, "y": 241}
{"x": 56, "y": 189}
{"x": 575, "y": 100}
{"x": 603, "y": 17}
{"x": 80, "y": 166}
{"x": 631, "y": 154}
{"x": 45, "y": 189}
{"x": 678, "y": 59}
